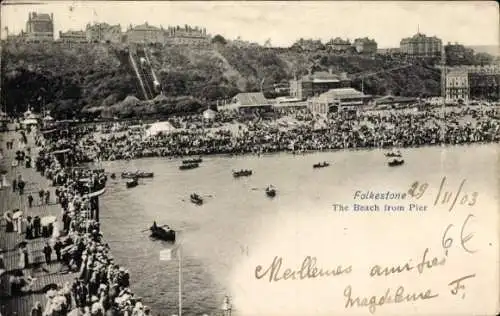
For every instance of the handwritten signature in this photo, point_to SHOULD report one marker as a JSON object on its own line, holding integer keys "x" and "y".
{"x": 459, "y": 286}
{"x": 388, "y": 298}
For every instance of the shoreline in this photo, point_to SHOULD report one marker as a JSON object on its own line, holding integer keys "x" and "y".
{"x": 303, "y": 153}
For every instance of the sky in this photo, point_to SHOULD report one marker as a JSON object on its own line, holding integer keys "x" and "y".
{"x": 465, "y": 22}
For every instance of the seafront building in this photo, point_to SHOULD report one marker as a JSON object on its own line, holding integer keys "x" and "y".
{"x": 467, "y": 83}
{"x": 336, "y": 100}
{"x": 248, "y": 101}
{"x": 316, "y": 83}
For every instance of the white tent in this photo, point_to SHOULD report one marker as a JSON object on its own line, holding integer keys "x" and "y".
{"x": 209, "y": 114}
{"x": 159, "y": 127}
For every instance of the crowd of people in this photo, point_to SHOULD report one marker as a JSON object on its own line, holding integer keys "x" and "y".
{"x": 101, "y": 286}
{"x": 257, "y": 134}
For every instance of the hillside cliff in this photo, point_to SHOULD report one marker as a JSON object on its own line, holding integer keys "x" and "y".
{"x": 68, "y": 79}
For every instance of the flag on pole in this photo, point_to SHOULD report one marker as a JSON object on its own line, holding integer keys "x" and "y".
{"x": 168, "y": 254}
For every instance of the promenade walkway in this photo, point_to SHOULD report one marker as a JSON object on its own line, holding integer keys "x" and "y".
{"x": 38, "y": 269}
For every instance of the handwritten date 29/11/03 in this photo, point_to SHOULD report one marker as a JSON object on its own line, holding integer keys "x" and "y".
{"x": 445, "y": 196}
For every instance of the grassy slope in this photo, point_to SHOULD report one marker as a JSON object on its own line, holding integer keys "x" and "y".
{"x": 93, "y": 75}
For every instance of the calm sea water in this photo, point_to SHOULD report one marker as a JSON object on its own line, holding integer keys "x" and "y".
{"x": 216, "y": 235}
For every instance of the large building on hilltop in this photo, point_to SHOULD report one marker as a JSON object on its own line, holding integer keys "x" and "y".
{"x": 39, "y": 27}
{"x": 103, "y": 32}
{"x": 338, "y": 45}
{"x": 187, "y": 35}
{"x": 420, "y": 45}
{"x": 149, "y": 34}
{"x": 145, "y": 34}
{"x": 73, "y": 37}
{"x": 316, "y": 83}
{"x": 467, "y": 83}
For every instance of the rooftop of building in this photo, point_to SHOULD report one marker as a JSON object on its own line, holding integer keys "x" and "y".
{"x": 251, "y": 98}
{"x": 339, "y": 41}
{"x": 40, "y": 17}
{"x": 145, "y": 27}
{"x": 324, "y": 76}
{"x": 102, "y": 25}
{"x": 394, "y": 99}
{"x": 420, "y": 37}
{"x": 342, "y": 93}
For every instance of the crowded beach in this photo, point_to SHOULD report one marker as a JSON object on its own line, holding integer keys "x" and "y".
{"x": 295, "y": 132}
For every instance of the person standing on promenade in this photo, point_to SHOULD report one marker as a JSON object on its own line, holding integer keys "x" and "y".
{"x": 19, "y": 223}
{"x": 37, "y": 226}
{"x": 57, "y": 193}
{"x": 21, "y": 185}
{"x": 57, "y": 248}
{"x": 14, "y": 185}
{"x": 30, "y": 200}
{"x": 47, "y": 251}
{"x": 29, "y": 228}
{"x": 23, "y": 258}
{"x": 41, "y": 194}
{"x": 66, "y": 219}
{"x": 47, "y": 197}
{"x": 9, "y": 227}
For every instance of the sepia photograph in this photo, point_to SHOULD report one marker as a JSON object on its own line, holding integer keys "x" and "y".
{"x": 249, "y": 158}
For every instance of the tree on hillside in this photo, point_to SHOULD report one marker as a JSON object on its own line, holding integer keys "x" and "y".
{"x": 219, "y": 39}
{"x": 483, "y": 59}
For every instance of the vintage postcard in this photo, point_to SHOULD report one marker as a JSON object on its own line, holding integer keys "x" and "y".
{"x": 249, "y": 158}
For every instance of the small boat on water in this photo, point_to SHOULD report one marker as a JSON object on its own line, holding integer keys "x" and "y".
{"x": 321, "y": 165}
{"x": 270, "y": 191}
{"x": 196, "y": 160}
{"x": 137, "y": 174}
{"x": 131, "y": 183}
{"x": 196, "y": 199}
{"x": 189, "y": 166}
{"x": 242, "y": 173}
{"x": 143, "y": 174}
{"x": 395, "y": 162}
{"x": 393, "y": 153}
{"x": 161, "y": 233}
